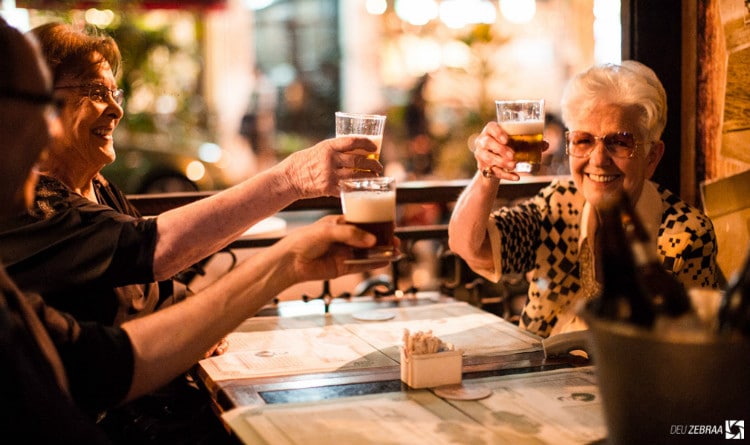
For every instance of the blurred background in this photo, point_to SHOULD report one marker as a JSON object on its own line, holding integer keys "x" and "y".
{"x": 217, "y": 90}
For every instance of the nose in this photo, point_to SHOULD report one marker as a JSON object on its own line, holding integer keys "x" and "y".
{"x": 113, "y": 108}
{"x": 599, "y": 155}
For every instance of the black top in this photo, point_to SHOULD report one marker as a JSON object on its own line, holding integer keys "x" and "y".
{"x": 39, "y": 347}
{"x": 83, "y": 257}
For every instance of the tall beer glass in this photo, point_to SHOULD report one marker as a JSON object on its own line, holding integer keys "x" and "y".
{"x": 523, "y": 120}
{"x": 370, "y": 204}
{"x": 365, "y": 125}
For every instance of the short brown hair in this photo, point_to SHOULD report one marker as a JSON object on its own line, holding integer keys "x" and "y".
{"x": 67, "y": 50}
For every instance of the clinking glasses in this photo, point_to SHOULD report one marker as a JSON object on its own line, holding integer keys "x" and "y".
{"x": 99, "y": 93}
{"x": 581, "y": 144}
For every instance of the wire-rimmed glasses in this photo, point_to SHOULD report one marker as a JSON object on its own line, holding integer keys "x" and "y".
{"x": 99, "y": 93}
{"x": 619, "y": 144}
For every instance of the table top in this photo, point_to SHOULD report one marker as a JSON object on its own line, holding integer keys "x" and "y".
{"x": 548, "y": 407}
{"x": 294, "y": 355}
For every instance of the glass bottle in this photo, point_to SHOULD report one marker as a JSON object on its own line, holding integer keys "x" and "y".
{"x": 674, "y": 312}
{"x": 622, "y": 297}
{"x": 667, "y": 294}
{"x": 734, "y": 310}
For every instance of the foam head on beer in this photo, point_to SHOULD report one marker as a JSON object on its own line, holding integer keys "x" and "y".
{"x": 370, "y": 204}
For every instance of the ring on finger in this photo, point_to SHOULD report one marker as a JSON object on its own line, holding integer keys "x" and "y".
{"x": 487, "y": 172}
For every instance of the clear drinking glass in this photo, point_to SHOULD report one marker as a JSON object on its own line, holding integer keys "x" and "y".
{"x": 523, "y": 120}
{"x": 366, "y": 125}
{"x": 370, "y": 204}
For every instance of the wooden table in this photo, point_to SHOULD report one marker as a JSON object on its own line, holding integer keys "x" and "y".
{"x": 295, "y": 354}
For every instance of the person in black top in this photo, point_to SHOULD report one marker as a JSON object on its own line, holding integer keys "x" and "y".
{"x": 59, "y": 373}
{"x": 85, "y": 249}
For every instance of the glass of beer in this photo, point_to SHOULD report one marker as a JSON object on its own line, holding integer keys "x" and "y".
{"x": 523, "y": 120}
{"x": 370, "y": 204}
{"x": 365, "y": 125}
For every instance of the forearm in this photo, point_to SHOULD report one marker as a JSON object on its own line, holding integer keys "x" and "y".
{"x": 170, "y": 341}
{"x": 192, "y": 232}
{"x": 467, "y": 229}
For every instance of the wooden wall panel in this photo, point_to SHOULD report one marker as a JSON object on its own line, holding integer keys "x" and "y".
{"x": 723, "y": 86}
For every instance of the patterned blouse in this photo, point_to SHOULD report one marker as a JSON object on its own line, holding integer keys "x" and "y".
{"x": 543, "y": 235}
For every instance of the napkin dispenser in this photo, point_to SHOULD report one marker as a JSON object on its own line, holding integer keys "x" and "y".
{"x": 431, "y": 370}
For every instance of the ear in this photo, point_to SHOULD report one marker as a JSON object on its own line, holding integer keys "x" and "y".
{"x": 653, "y": 157}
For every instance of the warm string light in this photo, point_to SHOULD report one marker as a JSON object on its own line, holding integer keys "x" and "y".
{"x": 456, "y": 14}
{"x": 101, "y": 18}
{"x": 518, "y": 11}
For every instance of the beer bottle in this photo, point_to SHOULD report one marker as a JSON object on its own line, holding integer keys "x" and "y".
{"x": 734, "y": 310}
{"x": 666, "y": 293}
{"x": 622, "y": 297}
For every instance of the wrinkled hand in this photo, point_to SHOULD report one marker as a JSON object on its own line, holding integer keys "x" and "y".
{"x": 316, "y": 171}
{"x": 318, "y": 251}
{"x": 494, "y": 155}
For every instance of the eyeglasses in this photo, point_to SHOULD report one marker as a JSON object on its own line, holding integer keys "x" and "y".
{"x": 581, "y": 144}
{"x": 99, "y": 93}
{"x": 45, "y": 99}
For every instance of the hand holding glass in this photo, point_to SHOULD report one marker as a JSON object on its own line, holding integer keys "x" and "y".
{"x": 370, "y": 204}
{"x": 523, "y": 120}
{"x": 364, "y": 125}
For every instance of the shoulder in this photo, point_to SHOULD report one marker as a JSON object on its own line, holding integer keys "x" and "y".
{"x": 52, "y": 196}
{"x": 560, "y": 198}
{"x": 560, "y": 187}
{"x": 679, "y": 216}
{"x": 562, "y": 192}
{"x": 110, "y": 195}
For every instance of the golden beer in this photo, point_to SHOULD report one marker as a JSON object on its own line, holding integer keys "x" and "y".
{"x": 377, "y": 140}
{"x": 528, "y": 149}
{"x": 523, "y": 120}
{"x": 369, "y": 126}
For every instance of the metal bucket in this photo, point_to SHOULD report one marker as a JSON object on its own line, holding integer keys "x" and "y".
{"x": 677, "y": 389}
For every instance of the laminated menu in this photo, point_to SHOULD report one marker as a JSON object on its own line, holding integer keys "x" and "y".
{"x": 552, "y": 407}
{"x": 282, "y": 346}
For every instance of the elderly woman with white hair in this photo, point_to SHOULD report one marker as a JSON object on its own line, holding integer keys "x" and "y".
{"x": 615, "y": 115}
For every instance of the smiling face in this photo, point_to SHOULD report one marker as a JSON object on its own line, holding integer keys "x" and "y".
{"x": 600, "y": 174}
{"x": 86, "y": 144}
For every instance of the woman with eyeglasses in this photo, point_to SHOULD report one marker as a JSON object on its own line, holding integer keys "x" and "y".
{"x": 58, "y": 373}
{"x": 615, "y": 115}
{"x": 86, "y": 249}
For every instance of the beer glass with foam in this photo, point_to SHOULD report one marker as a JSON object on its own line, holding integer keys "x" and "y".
{"x": 365, "y": 125}
{"x": 523, "y": 120}
{"x": 370, "y": 204}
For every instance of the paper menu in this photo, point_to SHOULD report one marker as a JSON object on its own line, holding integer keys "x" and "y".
{"x": 471, "y": 330}
{"x": 535, "y": 408}
{"x": 556, "y": 407}
{"x": 416, "y": 418}
{"x": 292, "y": 352}
{"x": 282, "y": 346}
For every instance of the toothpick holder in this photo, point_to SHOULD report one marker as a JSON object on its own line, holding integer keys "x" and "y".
{"x": 431, "y": 370}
